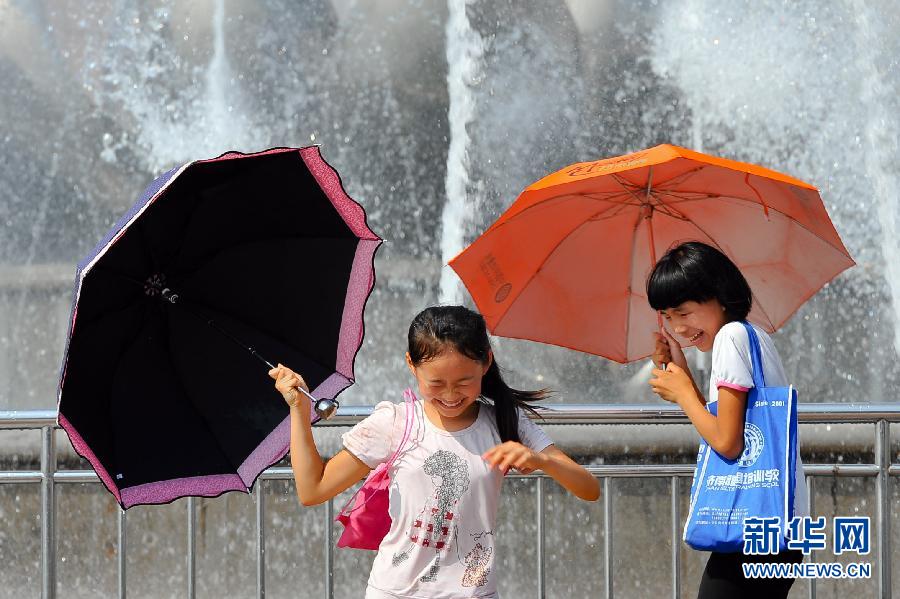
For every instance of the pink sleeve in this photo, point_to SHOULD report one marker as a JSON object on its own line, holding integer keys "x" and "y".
{"x": 735, "y": 386}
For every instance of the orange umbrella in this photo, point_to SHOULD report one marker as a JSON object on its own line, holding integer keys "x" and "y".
{"x": 567, "y": 263}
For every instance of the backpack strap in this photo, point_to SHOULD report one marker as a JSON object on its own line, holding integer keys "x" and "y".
{"x": 410, "y": 415}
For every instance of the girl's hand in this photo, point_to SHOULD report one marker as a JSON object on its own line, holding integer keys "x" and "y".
{"x": 286, "y": 383}
{"x": 513, "y": 455}
{"x": 667, "y": 350}
{"x": 673, "y": 384}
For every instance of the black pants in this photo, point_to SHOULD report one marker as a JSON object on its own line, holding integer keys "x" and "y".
{"x": 723, "y": 577}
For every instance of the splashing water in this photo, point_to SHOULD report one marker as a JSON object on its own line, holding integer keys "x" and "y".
{"x": 186, "y": 113}
{"x": 464, "y": 52}
{"x": 881, "y": 129}
{"x": 218, "y": 73}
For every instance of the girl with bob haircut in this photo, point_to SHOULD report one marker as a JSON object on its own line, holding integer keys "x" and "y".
{"x": 469, "y": 429}
{"x": 704, "y": 297}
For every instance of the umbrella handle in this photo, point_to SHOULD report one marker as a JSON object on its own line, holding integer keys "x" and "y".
{"x": 325, "y": 408}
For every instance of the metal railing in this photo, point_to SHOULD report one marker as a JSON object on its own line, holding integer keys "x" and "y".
{"x": 879, "y": 415}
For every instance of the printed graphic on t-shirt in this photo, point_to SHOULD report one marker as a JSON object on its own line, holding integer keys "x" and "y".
{"x": 478, "y": 562}
{"x": 431, "y": 528}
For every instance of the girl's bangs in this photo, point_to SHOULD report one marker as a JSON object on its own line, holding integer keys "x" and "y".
{"x": 669, "y": 287}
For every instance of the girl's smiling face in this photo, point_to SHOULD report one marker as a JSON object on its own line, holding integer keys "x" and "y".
{"x": 697, "y": 322}
{"x": 450, "y": 383}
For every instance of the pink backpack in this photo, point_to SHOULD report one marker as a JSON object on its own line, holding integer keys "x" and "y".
{"x": 368, "y": 521}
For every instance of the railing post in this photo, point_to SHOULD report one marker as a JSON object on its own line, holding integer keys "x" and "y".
{"x": 120, "y": 558}
{"x": 883, "y": 507}
{"x": 48, "y": 513}
{"x": 676, "y": 539}
{"x": 608, "y": 534}
{"x": 260, "y": 540}
{"x": 192, "y": 547}
{"x": 329, "y": 550}
{"x": 542, "y": 573}
{"x": 811, "y": 506}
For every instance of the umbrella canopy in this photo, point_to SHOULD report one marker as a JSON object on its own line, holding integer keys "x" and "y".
{"x": 263, "y": 248}
{"x": 567, "y": 263}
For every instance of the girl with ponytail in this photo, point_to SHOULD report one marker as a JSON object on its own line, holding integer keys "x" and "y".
{"x": 469, "y": 429}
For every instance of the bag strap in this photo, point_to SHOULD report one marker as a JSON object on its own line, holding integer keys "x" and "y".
{"x": 410, "y": 414}
{"x": 759, "y": 377}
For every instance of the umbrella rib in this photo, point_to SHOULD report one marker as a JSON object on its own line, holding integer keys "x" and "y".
{"x": 617, "y": 207}
{"x": 625, "y": 185}
{"x": 634, "y": 229}
{"x": 756, "y": 203}
{"x": 686, "y": 196}
{"x": 561, "y": 198}
{"x": 614, "y": 210}
{"x": 613, "y": 192}
{"x": 676, "y": 179}
{"x": 680, "y": 199}
{"x": 762, "y": 310}
{"x": 611, "y": 213}
{"x": 694, "y": 196}
{"x": 610, "y": 199}
{"x": 679, "y": 177}
{"x": 666, "y": 208}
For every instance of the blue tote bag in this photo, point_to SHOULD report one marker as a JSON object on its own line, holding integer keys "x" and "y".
{"x": 760, "y": 482}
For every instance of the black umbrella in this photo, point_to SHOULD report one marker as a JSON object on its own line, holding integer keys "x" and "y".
{"x": 220, "y": 262}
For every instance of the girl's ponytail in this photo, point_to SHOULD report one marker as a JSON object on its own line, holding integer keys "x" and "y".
{"x": 507, "y": 402}
{"x": 434, "y": 328}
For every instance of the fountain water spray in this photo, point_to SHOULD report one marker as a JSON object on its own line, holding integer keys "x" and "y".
{"x": 881, "y": 127}
{"x": 464, "y": 53}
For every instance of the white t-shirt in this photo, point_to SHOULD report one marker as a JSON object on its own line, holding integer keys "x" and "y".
{"x": 732, "y": 367}
{"x": 443, "y": 502}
